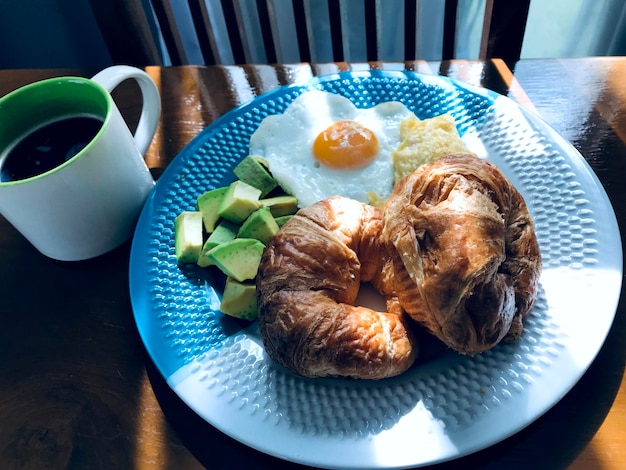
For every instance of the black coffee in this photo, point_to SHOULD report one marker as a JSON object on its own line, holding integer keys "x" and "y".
{"x": 48, "y": 147}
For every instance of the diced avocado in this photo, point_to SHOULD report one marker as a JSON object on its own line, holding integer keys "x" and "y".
{"x": 238, "y": 258}
{"x": 263, "y": 162}
{"x": 251, "y": 171}
{"x": 282, "y": 220}
{"x": 188, "y": 236}
{"x": 209, "y": 204}
{"x": 239, "y": 299}
{"x": 224, "y": 232}
{"x": 260, "y": 225}
{"x": 239, "y": 202}
{"x": 281, "y": 205}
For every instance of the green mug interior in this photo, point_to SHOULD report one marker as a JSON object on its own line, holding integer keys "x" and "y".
{"x": 39, "y": 103}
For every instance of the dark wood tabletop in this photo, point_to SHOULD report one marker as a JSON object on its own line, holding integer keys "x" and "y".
{"x": 77, "y": 388}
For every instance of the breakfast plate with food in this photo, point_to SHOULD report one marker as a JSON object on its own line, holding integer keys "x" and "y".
{"x": 375, "y": 270}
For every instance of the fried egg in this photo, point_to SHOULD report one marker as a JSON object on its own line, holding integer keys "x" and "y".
{"x": 323, "y": 145}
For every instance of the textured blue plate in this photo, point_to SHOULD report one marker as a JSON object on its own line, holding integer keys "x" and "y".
{"x": 441, "y": 409}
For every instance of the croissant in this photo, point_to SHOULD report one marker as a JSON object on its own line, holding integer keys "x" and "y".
{"x": 308, "y": 280}
{"x": 466, "y": 261}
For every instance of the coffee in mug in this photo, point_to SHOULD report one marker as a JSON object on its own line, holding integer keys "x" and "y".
{"x": 72, "y": 176}
{"x": 47, "y": 146}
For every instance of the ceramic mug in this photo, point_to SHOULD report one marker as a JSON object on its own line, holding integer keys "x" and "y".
{"x": 87, "y": 202}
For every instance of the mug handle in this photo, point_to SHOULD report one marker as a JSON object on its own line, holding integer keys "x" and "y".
{"x": 112, "y": 76}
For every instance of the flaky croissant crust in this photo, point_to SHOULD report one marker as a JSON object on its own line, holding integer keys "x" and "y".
{"x": 308, "y": 280}
{"x": 466, "y": 261}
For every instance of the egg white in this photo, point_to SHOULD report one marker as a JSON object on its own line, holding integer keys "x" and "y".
{"x": 286, "y": 142}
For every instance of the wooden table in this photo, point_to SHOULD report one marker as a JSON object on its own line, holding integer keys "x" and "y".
{"x": 77, "y": 389}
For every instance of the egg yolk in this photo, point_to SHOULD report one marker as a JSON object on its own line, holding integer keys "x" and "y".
{"x": 346, "y": 145}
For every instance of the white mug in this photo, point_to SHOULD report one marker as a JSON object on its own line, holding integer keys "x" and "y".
{"x": 88, "y": 204}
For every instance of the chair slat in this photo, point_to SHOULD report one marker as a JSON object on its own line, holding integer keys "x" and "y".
{"x": 430, "y": 17}
{"x": 354, "y": 35}
{"x": 126, "y": 31}
{"x": 250, "y": 32}
{"x": 204, "y": 30}
{"x": 302, "y": 30}
{"x": 233, "y": 27}
{"x": 318, "y": 29}
{"x": 170, "y": 31}
{"x": 266, "y": 17}
{"x": 288, "y": 29}
{"x": 212, "y": 28}
{"x": 503, "y": 30}
{"x": 390, "y": 22}
{"x": 336, "y": 35}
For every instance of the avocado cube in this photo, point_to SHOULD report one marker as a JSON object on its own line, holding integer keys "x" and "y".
{"x": 239, "y": 299}
{"x": 252, "y": 171}
{"x": 238, "y": 258}
{"x": 188, "y": 236}
{"x": 260, "y": 225}
{"x": 282, "y": 220}
{"x": 225, "y": 231}
{"x": 263, "y": 162}
{"x": 209, "y": 204}
{"x": 239, "y": 202}
{"x": 281, "y": 205}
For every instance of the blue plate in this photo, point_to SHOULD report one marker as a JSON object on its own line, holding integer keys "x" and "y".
{"x": 441, "y": 409}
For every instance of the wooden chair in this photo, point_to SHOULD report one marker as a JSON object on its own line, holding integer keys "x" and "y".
{"x": 148, "y": 32}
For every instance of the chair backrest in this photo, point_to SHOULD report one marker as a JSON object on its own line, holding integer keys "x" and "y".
{"x": 156, "y": 32}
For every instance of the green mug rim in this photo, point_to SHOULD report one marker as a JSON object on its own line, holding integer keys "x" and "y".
{"x": 22, "y": 99}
